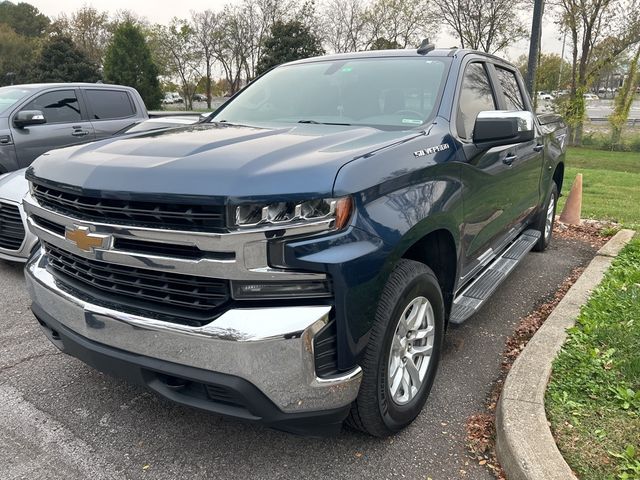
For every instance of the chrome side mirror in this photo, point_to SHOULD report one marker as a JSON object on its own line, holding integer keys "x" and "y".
{"x": 495, "y": 128}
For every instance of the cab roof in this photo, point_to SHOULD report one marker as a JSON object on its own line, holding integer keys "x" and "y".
{"x": 436, "y": 52}
{"x": 38, "y": 86}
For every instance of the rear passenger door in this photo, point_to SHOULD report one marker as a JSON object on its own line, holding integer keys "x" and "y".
{"x": 66, "y": 124}
{"x": 110, "y": 110}
{"x": 527, "y": 164}
{"x": 486, "y": 175}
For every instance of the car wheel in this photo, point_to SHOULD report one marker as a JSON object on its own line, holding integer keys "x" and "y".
{"x": 401, "y": 359}
{"x": 546, "y": 220}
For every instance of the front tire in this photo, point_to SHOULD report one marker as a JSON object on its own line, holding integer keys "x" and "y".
{"x": 401, "y": 359}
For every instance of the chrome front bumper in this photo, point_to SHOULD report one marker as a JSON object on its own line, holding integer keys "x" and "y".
{"x": 272, "y": 348}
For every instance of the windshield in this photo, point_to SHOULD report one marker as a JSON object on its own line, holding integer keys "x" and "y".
{"x": 10, "y": 96}
{"x": 396, "y": 92}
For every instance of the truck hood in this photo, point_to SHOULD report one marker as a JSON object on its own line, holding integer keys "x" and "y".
{"x": 217, "y": 160}
{"x": 13, "y": 186}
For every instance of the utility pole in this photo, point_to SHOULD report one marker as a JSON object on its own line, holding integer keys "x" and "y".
{"x": 534, "y": 46}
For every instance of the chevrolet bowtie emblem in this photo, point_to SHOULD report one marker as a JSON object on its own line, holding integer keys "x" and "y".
{"x": 84, "y": 239}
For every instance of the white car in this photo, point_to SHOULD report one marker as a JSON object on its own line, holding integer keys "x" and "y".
{"x": 17, "y": 243}
{"x": 590, "y": 96}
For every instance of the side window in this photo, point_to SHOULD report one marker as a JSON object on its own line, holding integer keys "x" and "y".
{"x": 58, "y": 107}
{"x": 511, "y": 89}
{"x": 109, "y": 104}
{"x": 476, "y": 96}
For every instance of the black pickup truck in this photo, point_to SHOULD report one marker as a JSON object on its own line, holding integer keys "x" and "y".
{"x": 297, "y": 257}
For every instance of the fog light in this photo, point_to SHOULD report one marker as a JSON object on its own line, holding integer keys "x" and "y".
{"x": 297, "y": 289}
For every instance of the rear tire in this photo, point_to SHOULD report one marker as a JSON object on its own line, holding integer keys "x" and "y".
{"x": 546, "y": 220}
{"x": 401, "y": 359}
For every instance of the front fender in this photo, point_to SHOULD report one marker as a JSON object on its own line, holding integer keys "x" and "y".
{"x": 397, "y": 204}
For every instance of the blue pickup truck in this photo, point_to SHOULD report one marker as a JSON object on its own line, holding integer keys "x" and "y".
{"x": 296, "y": 258}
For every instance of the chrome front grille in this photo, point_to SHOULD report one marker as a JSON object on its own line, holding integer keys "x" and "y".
{"x": 165, "y": 215}
{"x": 173, "y": 275}
{"x": 174, "y": 297}
{"x": 11, "y": 228}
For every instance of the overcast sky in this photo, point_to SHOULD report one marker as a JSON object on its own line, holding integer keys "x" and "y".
{"x": 161, "y": 11}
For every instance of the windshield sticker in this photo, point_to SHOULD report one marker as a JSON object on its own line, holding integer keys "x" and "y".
{"x": 412, "y": 121}
{"x": 431, "y": 150}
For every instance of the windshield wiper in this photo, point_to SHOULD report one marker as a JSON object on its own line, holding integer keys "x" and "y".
{"x": 315, "y": 122}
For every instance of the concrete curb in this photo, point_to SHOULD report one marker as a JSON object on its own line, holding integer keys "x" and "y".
{"x": 524, "y": 445}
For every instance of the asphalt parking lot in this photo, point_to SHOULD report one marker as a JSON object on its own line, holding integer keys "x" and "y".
{"x": 63, "y": 420}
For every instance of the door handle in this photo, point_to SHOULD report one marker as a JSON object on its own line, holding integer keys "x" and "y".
{"x": 508, "y": 160}
{"x": 538, "y": 148}
{"x": 80, "y": 133}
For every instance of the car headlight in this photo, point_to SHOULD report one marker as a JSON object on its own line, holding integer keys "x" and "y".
{"x": 278, "y": 214}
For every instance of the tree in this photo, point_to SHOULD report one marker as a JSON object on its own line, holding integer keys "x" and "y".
{"x": 624, "y": 99}
{"x": 553, "y": 72}
{"x": 229, "y": 47}
{"x": 128, "y": 16}
{"x": 255, "y": 21}
{"x": 177, "y": 46}
{"x": 128, "y": 62}
{"x": 344, "y": 25}
{"x": 600, "y": 30}
{"x": 61, "y": 61}
{"x": 288, "y": 41}
{"x": 16, "y": 51}
{"x": 205, "y": 26}
{"x": 486, "y": 25}
{"x": 23, "y": 18}
{"x": 383, "y": 44}
{"x": 89, "y": 29}
{"x": 400, "y": 22}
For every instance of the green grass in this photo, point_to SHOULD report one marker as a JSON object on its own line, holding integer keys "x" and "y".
{"x": 610, "y": 184}
{"x": 593, "y": 398}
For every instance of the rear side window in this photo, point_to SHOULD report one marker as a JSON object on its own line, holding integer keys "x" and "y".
{"x": 511, "y": 89}
{"x": 60, "y": 106}
{"x": 476, "y": 96}
{"x": 109, "y": 104}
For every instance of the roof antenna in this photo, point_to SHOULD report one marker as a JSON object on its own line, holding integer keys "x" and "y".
{"x": 425, "y": 47}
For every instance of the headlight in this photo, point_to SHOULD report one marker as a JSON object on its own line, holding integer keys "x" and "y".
{"x": 337, "y": 210}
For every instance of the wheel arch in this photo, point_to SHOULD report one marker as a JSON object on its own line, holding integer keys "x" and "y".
{"x": 437, "y": 249}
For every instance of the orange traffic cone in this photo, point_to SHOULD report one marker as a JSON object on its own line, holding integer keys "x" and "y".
{"x": 572, "y": 209}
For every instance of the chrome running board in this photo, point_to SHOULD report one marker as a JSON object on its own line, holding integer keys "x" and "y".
{"x": 478, "y": 292}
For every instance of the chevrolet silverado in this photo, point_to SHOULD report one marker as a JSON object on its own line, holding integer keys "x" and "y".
{"x": 296, "y": 258}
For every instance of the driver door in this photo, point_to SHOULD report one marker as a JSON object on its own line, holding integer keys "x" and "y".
{"x": 66, "y": 124}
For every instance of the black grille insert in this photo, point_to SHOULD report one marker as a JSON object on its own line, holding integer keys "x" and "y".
{"x": 185, "y": 299}
{"x": 48, "y": 225}
{"x": 11, "y": 227}
{"x": 174, "y": 216}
